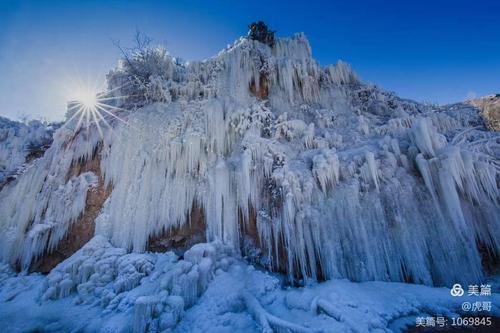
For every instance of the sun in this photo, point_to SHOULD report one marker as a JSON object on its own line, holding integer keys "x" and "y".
{"x": 89, "y": 107}
{"x": 87, "y": 98}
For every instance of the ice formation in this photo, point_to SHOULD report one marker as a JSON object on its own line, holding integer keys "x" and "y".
{"x": 37, "y": 208}
{"x": 20, "y": 140}
{"x": 156, "y": 287}
{"x": 326, "y": 177}
{"x": 102, "y": 288}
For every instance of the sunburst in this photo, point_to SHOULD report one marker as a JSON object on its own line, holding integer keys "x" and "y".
{"x": 89, "y": 107}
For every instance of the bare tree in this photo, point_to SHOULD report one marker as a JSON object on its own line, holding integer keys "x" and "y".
{"x": 145, "y": 71}
{"x": 141, "y": 43}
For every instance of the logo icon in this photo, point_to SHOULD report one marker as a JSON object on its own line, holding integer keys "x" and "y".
{"x": 457, "y": 290}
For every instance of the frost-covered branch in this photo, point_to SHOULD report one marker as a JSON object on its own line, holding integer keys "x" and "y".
{"x": 320, "y": 305}
{"x": 267, "y": 321}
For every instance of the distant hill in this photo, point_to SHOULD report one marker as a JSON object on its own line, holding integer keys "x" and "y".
{"x": 490, "y": 107}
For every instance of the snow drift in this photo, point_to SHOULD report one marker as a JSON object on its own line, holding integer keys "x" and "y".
{"x": 102, "y": 288}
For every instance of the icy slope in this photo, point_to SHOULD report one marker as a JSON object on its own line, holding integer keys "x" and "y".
{"x": 305, "y": 169}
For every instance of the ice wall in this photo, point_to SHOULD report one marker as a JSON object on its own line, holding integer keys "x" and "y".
{"x": 37, "y": 208}
{"x": 326, "y": 176}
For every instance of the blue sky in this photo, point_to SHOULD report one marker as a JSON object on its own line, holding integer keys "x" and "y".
{"x": 434, "y": 51}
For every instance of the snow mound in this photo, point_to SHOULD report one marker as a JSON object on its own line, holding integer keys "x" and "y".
{"x": 210, "y": 290}
{"x": 156, "y": 288}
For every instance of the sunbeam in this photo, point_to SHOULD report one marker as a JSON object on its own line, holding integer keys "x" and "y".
{"x": 89, "y": 106}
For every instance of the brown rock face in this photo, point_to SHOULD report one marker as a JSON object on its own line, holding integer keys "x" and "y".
{"x": 490, "y": 107}
{"x": 262, "y": 91}
{"x": 82, "y": 230}
{"x": 182, "y": 238}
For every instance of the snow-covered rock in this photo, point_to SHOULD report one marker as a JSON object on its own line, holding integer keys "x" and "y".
{"x": 20, "y": 142}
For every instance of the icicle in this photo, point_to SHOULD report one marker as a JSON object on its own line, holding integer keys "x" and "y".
{"x": 326, "y": 169}
{"x": 423, "y": 167}
{"x": 425, "y": 137}
{"x": 215, "y": 127}
{"x": 363, "y": 125}
{"x": 372, "y": 167}
{"x": 143, "y": 313}
{"x": 50, "y": 202}
{"x": 342, "y": 74}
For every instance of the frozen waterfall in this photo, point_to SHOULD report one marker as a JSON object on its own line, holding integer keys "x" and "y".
{"x": 326, "y": 176}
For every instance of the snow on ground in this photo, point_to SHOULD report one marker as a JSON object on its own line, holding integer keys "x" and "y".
{"x": 102, "y": 289}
